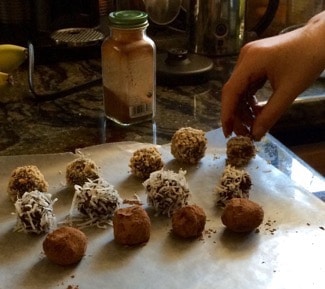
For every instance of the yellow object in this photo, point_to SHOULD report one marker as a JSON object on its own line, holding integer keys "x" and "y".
{"x": 4, "y": 78}
{"x": 11, "y": 57}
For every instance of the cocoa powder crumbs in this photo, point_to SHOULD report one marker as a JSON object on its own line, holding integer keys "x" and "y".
{"x": 73, "y": 287}
{"x": 268, "y": 226}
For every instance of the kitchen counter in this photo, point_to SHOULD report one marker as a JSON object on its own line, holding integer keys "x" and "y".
{"x": 33, "y": 126}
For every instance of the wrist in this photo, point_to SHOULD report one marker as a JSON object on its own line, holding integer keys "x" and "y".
{"x": 315, "y": 28}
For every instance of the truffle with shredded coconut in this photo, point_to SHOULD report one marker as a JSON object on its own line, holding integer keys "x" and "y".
{"x": 188, "y": 221}
{"x": 25, "y": 179}
{"x": 131, "y": 226}
{"x": 65, "y": 246}
{"x": 167, "y": 191}
{"x": 34, "y": 212}
{"x": 144, "y": 161}
{"x": 240, "y": 150}
{"x": 188, "y": 145}
{"x": 97, "y": 201}
{"x": 234, "y": 183}
{"x": 80, "y": 171}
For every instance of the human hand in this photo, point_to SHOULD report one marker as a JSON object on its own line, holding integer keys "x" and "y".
{"x": 290, "y": 62}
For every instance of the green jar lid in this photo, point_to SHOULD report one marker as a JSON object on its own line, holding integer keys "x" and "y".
{"x": 128, "y": 19}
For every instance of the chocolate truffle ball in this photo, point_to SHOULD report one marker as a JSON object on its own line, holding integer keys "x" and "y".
{"x": 240, "y": 150}
{"x": 188, "y": 145}
{"x": 144, "y": 161}
{"x": 96, "y": 200}
{"x": 131, "y": 226}
{"x": 234, "y": 183}
{"x": 167, "y": 191}
{"x": 80, "y": 171}
{"x": 26, "y": 179}
{"x": 242, "y": 215}
{"x": 188, "y": 221}
{"x": 34, "y": 212}
{"x": 65, "y": 246}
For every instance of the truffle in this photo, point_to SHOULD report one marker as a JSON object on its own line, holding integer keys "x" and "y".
{"x": 26, "y": 179}
{"x": 167, "y": 191}
{"x": 188, "y": 145}
{"x": 80, "y": 171}
{"x": 242, "y": 215}
{"x": 35, "y": 213}
{"x": 65, "y": 246}
{"x": 188, "y": 221}
{"x": 144, "y": 161}
{"x": 234, "y": 183}
{"x": 240, "y": 150}
{"x": 131, "y": 226}
{"x": 97, "y": 200}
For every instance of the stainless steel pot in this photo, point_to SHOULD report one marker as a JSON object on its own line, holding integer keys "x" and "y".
{"x": 217, "y": 27}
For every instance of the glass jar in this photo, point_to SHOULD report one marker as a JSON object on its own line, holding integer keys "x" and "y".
{"x": 129, "y": 69}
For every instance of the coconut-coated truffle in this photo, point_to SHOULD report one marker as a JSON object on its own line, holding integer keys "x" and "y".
{"x": 242, "y": 215}
{"x": 188, "y": 145}
{"x": 188, "y": 221}
{"x": 240, "y": 150}
{"x": 80, "y": 171}
{"x": 131, "y": 226}
{"x": 26, "y": 179}
{"x": 167, "y": 191}
{"x": 97, "y": 201}
{"x": 34, "y": 212}
{"x": 234, "y": 183}
{"x": 144, "y": 161}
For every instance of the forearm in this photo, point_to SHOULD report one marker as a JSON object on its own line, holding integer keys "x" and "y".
{"x": 315, "y": 31}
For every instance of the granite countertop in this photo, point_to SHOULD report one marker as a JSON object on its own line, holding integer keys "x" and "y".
{"x": 30, "y": 125}
{"x": 33, "y": 126}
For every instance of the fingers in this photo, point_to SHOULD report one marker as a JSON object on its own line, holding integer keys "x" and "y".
{"x": 267, "y": 116}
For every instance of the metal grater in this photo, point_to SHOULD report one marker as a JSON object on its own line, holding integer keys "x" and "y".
{"x": 77, "y": 36}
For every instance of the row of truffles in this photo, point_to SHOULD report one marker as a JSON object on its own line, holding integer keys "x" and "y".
{"x": 188, "y": 146}
{"x": 240, "y": 214}
{"x": 27, "y": 188}
{"x": 235, "y": 181}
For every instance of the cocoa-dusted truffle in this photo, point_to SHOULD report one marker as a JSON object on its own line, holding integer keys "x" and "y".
{"x": 167, "y": 191}
{"x": 80, "y": 171}
{"x": 131, "y": 226}
{"x": 242, "y": 215}
{"x": 234, "y": 183}
{"x": 188, "y": 145}
{"x": 35, "y": 212}
{"x": 144, "y": 161}
{"x": 240, "y": 150}
{"x": 188, "y": 221}
{"x": 26, "y": 179}
{"x": 65, "y": 246}
{"x": 97, "y": 201}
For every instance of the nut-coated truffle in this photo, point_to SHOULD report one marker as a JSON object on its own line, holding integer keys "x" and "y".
{"x": 188, "y": 145}
{"x": 80, "y": 171}
{"x": 144, "y": 161}
{"x": 240, "y": 150}
{"x": 26, "y": 179}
